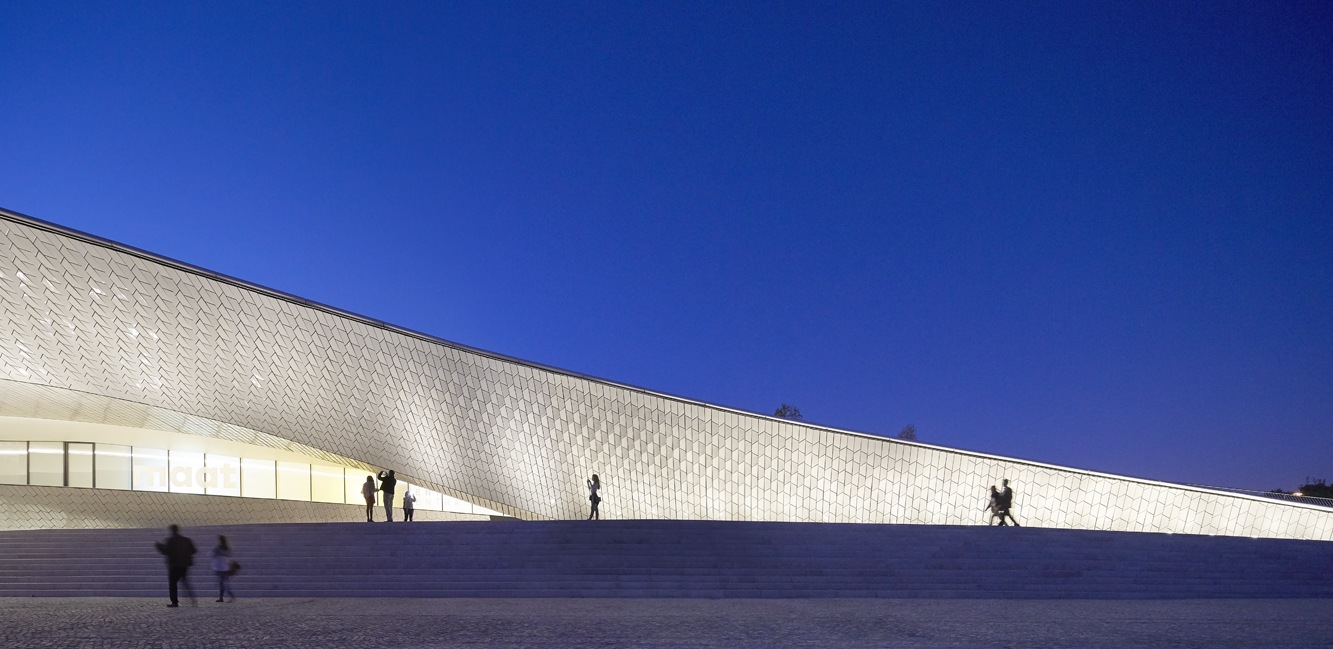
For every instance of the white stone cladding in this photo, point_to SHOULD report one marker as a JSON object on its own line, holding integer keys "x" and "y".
{"x": 95, "y": 331}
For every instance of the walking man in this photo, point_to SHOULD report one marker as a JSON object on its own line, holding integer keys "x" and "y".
{"x": 1005, "y": 503}
{"x": 179, "y": 551}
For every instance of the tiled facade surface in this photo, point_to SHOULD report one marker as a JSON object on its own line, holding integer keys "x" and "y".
{"x": 24, "y": 507}
{"x": 107, "y": 332}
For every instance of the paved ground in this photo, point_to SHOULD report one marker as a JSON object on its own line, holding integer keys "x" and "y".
{"x": 104, "y": 623}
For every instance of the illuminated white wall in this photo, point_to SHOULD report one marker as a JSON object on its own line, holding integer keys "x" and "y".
{"x": 188, "y": 465}
{"x": 95, "y": 331}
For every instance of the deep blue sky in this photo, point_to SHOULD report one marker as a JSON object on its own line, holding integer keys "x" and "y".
{"x": 1096, "y": 235}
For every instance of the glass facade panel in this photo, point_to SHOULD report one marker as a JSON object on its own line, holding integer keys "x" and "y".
{"x": 13, "y": 463}
{"x": 149, "y": 466}
{"x": 259, "y": 478}
{"x": 452, "y": 504}
{"x": 46, "y": 463}
{"x": 326, "y": 484}
{"x": 79, "y": 464}
{"x": 427, "y": 500}
{"x": 293, "y": 481}
{"x": 113, "y": 467}
{"x": 187, "y": 472}
{"x": 354, "y": 479}
{"x": 224, "y": 475}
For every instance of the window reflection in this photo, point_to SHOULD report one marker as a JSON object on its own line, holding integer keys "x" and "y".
{"x": 293, "y": 481}
{"x": 326, "y": 484}
{"x": 115, "y": 466}
{"x": 150, "y": 469}
{"x": 224, "y": 475}
{"x": 79, "y": 464}
{"x": 259, "y": 478}
{"x": 46, "y": 464}
{"x": 187, "y": 472}
{"x": 13, "y": 463}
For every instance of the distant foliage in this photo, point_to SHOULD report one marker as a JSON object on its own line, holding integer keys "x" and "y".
{"x": 1316, "y": 489}
{"x": 788, "y": 412}
{"x": 908, "y": 432}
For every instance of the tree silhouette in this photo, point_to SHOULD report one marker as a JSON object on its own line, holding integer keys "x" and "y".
{"x": 788, "y": 412}
{"x": 1316, "y": 489}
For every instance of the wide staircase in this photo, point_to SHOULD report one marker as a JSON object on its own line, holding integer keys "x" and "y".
{"x": 650, "y": 558}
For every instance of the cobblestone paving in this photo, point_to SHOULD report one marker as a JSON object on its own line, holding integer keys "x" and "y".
{"x": 104, "y": 623}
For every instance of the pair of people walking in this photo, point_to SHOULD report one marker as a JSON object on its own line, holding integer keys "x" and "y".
{"x": 388, "y": 484}
{"x": 1001, "y": 504}
{"x": 179, "y": 551}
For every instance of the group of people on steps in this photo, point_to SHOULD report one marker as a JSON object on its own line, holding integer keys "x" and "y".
{"x": 179, "y": 550}
{"x": 388, "y": 484}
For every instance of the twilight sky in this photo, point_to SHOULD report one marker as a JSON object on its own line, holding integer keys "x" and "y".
{"x": 1097, "y": 235}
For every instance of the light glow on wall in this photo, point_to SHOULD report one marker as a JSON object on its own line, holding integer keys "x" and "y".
{"x": 325, "y": 387}
{"x": 133, "y": 468}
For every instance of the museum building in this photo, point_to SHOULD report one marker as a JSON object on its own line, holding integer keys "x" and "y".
{"x": 137, "y": 391}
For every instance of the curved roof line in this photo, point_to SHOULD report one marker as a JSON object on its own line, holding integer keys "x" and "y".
{"x": 30, "y": 221}
{"x": 176, "y": 264}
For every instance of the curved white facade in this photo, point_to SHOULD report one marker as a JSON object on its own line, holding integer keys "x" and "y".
{"x": 93, "y": 331}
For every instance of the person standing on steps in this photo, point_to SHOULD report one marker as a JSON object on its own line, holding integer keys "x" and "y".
{"x": 409, "y": 505}
{"x": 992, "y": 506}
{"x": 593, "y": 486}
{"x": 222, "y": 568}
{"x": 179, "y": 551}
{"x": 368, "y": 492}
{"x": 387, "y": 484}
{"x": 1005, "y": 503}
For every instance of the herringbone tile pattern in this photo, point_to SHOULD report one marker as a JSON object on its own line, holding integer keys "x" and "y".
{"x": 122, "y": 335}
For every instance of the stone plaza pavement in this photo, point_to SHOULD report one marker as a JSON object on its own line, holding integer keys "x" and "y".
{"x": 107, "y": 623}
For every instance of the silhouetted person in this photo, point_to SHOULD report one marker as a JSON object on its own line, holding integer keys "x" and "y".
{"x": 387, "y": 484}
{"x": 222, "y": 564}
{"x": 368, "y": 492}
{"x": 992, "y": 506}
{"x": 593, "y": 486}
{"x": 1005, "y": 502}
{"x": 409, "y": 505}
{"x": 179, "y": 551}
